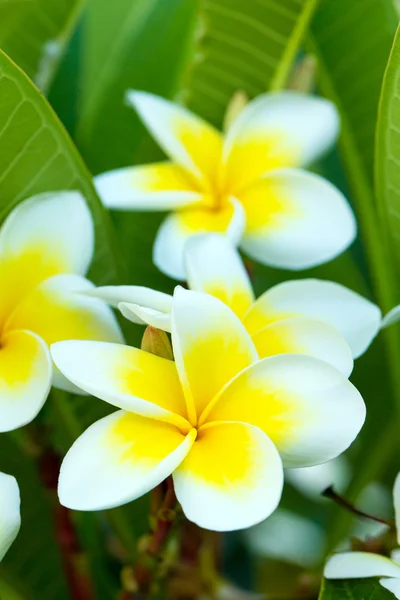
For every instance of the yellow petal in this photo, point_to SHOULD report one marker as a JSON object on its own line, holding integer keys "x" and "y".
{"x": 125, "y": 377}
{"x": 191, "y": 142}
{"x": 281, "y": 129}
{"x": 295, "y": 220}
{"x": 44, "y": 236}
{"x": 25, "y": 378}
{"x": 310, "y": 410}
{"x": 168, "y": 253}
{"x": 214, "y": 266}
{"x": 57, "y": 310}
{"x": 159, "y": 186}
{"x": 299, "y": 335}
{"x": 210, "y": 346}
{"x": 118, "y": 459}
{"x": 231, "y": 479}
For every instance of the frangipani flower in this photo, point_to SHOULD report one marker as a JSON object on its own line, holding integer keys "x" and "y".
{"x": 46, "y": 245}
{"x": 220, "y": 420}
{"x": 245, "y": 185}
{"x": 356, "y": 565}
{"x": 10, "y": 517}
{"x": 307, "y": 316}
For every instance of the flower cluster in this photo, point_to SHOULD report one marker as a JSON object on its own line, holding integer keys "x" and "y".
{"x": 256, "y": 385}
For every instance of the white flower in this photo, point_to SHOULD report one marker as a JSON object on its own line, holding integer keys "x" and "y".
{"x": 245, "y": 184}
{"x": 308, "y": 316}
{"x": 46, "y": 246}
{"x": 221, "y": 421}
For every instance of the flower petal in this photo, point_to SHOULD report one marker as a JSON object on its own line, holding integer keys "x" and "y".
{"x": 231, "y": 479}
{"x": 355, "y": 565}
{"x": 10, "y": 516}
{"x": 214, "y": 266}
{"x": 44, "y": 236}
{"x": 396, "y": 503}
{"x": 191, "y": 142}
{"x": 133, "y": 294}
{"x": 295, "y": 220}
{"x": 278, "y": 130}
{"x": 393, "y": 585}
{"x": 25, "y": 378}
{"x": 56, "y": 310}
{"x": 159, "y": 186}
{"x": 118, "y": 459}
{"x": 392, "y": 317}
{"x": 125, "y": 377}
{"x": 298, "y": 335}
{"x": 309, "y": 410}
{"x": 355, "y": 317}
{"x": 168, "y": 251}
{"x": 149, "y": 316}
{"x": 56, "y": 227}
{"x": 210, "y": 346}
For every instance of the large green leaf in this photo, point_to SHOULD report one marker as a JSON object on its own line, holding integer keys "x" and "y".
{"x": 352, "y": 41}
{"x": 122, "y": 47}
{"x": 37, "y": 156}
{"x": 245, "y": 46}
{"x": 34, "y": 34}
{"x": 388, "y": 151}
{"x": 354, "y": 589}
{"x": 33, "y": 564}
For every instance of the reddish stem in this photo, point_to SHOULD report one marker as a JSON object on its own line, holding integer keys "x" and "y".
{"x": 78, "y": 580}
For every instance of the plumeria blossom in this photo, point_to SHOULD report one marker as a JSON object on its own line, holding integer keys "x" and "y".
{"x": 246, "y": 184}
{"x": 10, "y": 517}
{"x": 221, "y": 421}
{"x": 310, "y": 316}
{"x": 355, "y": 565}
{"x": 46, "y": 246}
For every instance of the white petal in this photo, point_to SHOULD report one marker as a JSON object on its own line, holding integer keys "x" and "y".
{"x": 392, "y": 317}
{"x": 296, "y": 126}
{"x": 188, "y": 140}
{"x": 393, "y": 585}
{"x": 160, "y": 186}
{"x": 149, "y": 316}
{"x": 231, "y": 479}
{"x": 126, "y": 377}
{"x": 355, "y": 317}
{"x": 296, "y": 220}
{"x": 210, "y": 347}
{"x": 58, "y": 226}
{"x": 298, "y": 335}
{"x": 312, "y": 481}
{"x": 124, "y": 296}
{"x": 10, "y": 517}
{"x": 57, "y": 310}
{"x": 175, "y": 231}
{"x": 310, "y": 411}
{"x": 25, "y": 378}
{"x": 118, "y": 459}
{"x": 354, "y": 565}
{"x": 214, "y": 266}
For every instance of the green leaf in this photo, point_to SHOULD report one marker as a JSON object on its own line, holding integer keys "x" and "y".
{"x": 354, "y": 589}
{"x": 122, "y": 48}
{"x": 246, "y": 46}
{"x": 38, "y": 156}
{"x": 352, "y": 42}
{"x": 35, "y": 32}
{"x": 32, "y": 566}
{"x": 388, "y": 151}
